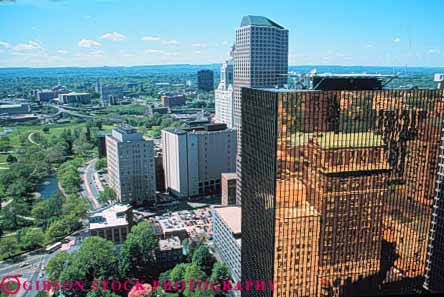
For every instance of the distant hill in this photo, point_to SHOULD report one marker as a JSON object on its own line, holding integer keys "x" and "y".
{"x": 410, "y": 76}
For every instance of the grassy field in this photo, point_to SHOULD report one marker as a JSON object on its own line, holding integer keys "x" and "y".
{"x": 19, "y": 137}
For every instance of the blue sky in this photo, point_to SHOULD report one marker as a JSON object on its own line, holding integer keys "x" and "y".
{"x": 145, "y": 32}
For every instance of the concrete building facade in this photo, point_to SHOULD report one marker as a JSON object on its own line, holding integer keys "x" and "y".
{"x": 13, "y": 109}
{"x": 227, "y": 237}
{"x": 260, "y": 61}
{"x": 131, "y": 167}
{"x": 228, "y": 181}
{"x": 195, "y": 158}
{"x": 223, "y": 95}
{"x": 72, "y": 98}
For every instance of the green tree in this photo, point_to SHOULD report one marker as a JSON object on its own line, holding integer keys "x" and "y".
{"x": 30, "y": 238}
{"x": 137, "y": 254}
{"x": 57, "y": 229}
{"x": 57, "y": 153}
{"x": 203, "y": 258}
{"x": 46, "y": 130}
{"x": 40, "y": 212}
{"x": 178, "y": 272}
{"x": 101, "y": 164}
{"x": 8, "y": 247}
{"x": 95, "y": 260}
{"x": 220, "y": 272}
{"x": 42, "y": 294}
{"x": 101, "y": 293}
{"x": 55, "y": 266}
{"x": 107, "y": 195}
{"x": 5, "y": 144}
{"x": 11, "y": 159}
{"x": 75, "y": 205}
{"x": 193, "y": 273}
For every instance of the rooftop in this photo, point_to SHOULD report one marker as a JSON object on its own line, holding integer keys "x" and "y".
{"x": 13, "y": 105}
{"x": 252, "y": 20}
{"x": 355, "y": 75}
{"x": 231, "y": 215}
{"x": 332, "y": 140}
{"x": 125, "y": 129}
{"x": 230, "y": 175}
{"x": 172, "y": 243}
{"x": 74, "y": 94}
{"x": 112, "y": 216}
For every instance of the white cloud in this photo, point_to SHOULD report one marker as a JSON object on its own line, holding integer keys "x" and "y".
{"x": 30, "y": 45}
{"x": 153, "y": 51}
{"x": 114, "y": 36}
{"x": 62, "y": 52}
{"x": 369, "y": 45}
{"x": 225, "y": 42}
{"x": 5, "y": 44}
{"x": 397, "y": 40}
{"x": 173, "y": 41}
{"x": 202, "y": 45}
{"x": 433, "y": 51}
{"x": 150, "y": 38}
{"x": 159, "y": 52}
{"x": 197, "y": 52}
{"x": 88, "y": 43}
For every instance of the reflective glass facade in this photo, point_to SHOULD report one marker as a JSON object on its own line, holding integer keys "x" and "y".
{"x": 338, "y": 189}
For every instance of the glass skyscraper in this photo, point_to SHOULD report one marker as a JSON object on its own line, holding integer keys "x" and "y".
{"x": 337, "y": 189}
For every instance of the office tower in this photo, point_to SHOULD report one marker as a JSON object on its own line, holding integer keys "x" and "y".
{"x": 226, "y": 230}
{"x": 434, "y": 278}
{"x": 195, "y": 158}
{"x": 131, "y": 170}
{"x": 205, "y": 80}
{"x": 337, "y": 189}
{"x": 223, "y": 95}
{"x": 260, "y": 61}
{"x": 109, "y": 94}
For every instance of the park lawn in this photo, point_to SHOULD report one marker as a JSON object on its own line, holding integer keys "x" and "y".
{"x": 3, "y": 164}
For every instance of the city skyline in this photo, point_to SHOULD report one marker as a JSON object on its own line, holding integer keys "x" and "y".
{"x": 111, "y": 33}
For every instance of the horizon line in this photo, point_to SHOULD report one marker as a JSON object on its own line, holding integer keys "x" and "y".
{"x": 211, "y": 64}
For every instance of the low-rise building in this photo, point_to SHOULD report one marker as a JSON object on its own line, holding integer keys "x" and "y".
{"x": 71, "y": 98}
{"x": 112, "y": 223}
{"x": 171, "y": 100}
{"x": 152, "y": 109}
{"x": 227, "y": 237}
{"x": 193, "y": 224}
{"x": 13, "y": 109}
{"x": 170, "y": 252}
{"x": 45, "y": 95}
{"x": 228, "y": 181}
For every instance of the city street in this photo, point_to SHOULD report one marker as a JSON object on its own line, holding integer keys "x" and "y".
{"x": 91, "y": 192}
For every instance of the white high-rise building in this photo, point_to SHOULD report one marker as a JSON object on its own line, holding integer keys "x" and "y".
{"x": 224, "y": 95}
{"x": 260, "y": 61}
{"x": 131, "y": 168}
{"x": 195, "y": 158}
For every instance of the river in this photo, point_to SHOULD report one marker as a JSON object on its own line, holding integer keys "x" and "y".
{"x": 48, "y": 187}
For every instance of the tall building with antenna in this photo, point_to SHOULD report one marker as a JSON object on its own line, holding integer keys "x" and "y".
{"x": 260, "y": 61}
